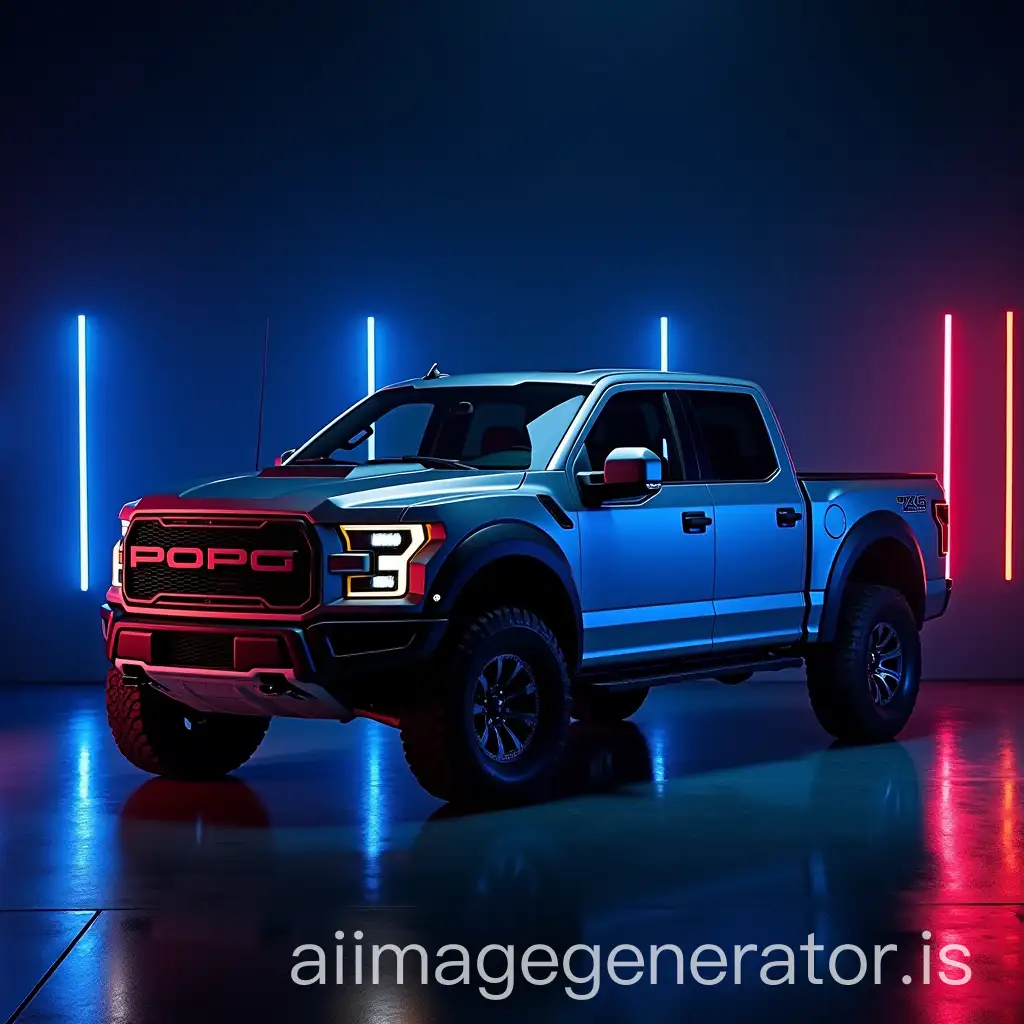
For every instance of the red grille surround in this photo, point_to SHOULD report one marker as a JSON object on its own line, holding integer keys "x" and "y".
{"x": 151, "y": 585}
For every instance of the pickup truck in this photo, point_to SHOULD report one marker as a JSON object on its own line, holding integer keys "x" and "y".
{"x": 476, "y": 560}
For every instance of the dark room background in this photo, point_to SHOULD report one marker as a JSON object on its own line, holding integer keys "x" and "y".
{"x": 803, "y": 189}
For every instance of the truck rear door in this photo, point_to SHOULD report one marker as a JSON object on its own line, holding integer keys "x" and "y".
{"x": 760, "y": 516}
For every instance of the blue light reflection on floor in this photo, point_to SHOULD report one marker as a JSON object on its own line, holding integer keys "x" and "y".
{"x": 86, "y": 733}
{"x": 374, "y": 810}
{"x": 657, "y": 741}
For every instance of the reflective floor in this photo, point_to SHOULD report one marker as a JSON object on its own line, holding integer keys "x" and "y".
{"x": 719, "y": 817}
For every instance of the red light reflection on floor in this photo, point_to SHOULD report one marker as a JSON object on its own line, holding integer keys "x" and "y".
{"x": 972, "y": 823}
{"x": 942, "y": 815}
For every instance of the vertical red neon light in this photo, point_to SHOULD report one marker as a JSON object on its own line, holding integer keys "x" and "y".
{"x": 947, "y": 431}
{"x": 1008, "y": 526}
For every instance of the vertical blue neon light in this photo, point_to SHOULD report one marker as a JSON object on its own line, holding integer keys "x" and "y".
{"x": 83, "y": 476}
{"x": 371, "y": 373}
{"x": 664, "y": 343}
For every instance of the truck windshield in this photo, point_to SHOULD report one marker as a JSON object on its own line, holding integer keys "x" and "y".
{"x": 471, "y": 427}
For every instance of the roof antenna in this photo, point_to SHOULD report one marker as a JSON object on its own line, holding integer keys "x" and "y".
{"x": 263, "y": 389}
{"x": 433, "y": 373}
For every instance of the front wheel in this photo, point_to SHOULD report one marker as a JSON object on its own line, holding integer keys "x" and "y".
{"x": 863, "y": 686}
{"x": 493, "y": 727}
{"x": 166, "y": 738}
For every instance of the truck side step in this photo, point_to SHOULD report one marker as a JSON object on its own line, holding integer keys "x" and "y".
{"x": 609, "y": 680}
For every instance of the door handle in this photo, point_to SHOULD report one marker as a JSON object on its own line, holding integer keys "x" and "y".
{"x": 786, "y": 517}
{"x": 695, "y": 522}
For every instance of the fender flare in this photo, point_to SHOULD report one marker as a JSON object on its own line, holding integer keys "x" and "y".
{"x": 875, "y": 526}
{"x": 488, "y": 544}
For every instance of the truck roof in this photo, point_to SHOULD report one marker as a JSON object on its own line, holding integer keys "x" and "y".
{"x": 609, "y": 376}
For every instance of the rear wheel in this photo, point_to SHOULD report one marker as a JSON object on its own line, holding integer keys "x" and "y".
{"x": 602, "y": 707}
{"x": 493, "y": 727}
{"x": 863, "y": 686}
{"x": 166, "y": 738}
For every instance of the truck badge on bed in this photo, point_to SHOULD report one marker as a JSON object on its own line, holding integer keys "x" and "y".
{"x": 912, "y": 503}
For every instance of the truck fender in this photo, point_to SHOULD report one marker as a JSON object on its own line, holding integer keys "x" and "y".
{"x": 492, "y": 542}
{"x": 875, "y": 526}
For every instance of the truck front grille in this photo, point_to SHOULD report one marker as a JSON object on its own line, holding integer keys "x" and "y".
{"x": 207, "y": 563}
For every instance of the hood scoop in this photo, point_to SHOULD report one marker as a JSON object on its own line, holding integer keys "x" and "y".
{"x": 308, "y": 470}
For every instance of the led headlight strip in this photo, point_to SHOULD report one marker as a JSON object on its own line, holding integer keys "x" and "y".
{"x": 399, "y": 555}
{"x": 117, "y": 557}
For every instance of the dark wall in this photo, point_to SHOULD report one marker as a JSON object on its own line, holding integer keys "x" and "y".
{"x": 803, "y": 193}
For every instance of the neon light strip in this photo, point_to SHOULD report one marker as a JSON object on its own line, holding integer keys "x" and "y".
{"x": 947, "y": 432}
{"x": 1008, "y": 567}
{"x": 371, "y": 373}
{"x": 664, "y": 343}
{"x": 83, "y": 482}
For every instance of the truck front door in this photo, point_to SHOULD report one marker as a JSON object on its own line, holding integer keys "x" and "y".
{"x": 647, "y": 567}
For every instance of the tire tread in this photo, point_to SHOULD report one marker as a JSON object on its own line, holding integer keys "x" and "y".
{"x": 140, "y": 719}
{"x": 835, "y": 679}
{"x": 430, "y": 742}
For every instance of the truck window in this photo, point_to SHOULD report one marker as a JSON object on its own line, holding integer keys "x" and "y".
{"x": 515, "y": 426}
{"x": 635, "y": 419}
{"x": 735, "y": 435}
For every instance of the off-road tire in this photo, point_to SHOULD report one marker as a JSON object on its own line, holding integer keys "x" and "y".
{"x": 838, "y": 677}
{"x": 439, "y": 736}
{"x": 602, "y": 707}
{"x": 163, "y": 737}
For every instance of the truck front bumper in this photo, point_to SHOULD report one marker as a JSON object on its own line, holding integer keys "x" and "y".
{"x": 324, "y": 668}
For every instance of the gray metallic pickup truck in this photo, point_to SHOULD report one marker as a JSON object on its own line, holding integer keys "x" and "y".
{"x": 475, "y": 560}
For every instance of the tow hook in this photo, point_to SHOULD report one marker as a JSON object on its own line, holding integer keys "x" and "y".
{"x": 273, "y": 684}
{"x": 133, "y": 675}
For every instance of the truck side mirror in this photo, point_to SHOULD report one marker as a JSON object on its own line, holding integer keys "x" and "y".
{"x": 637, "y": 468}
{"x": 628, "y": 473}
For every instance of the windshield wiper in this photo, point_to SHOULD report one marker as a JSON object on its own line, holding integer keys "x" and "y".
{"x": 430, "y": 461}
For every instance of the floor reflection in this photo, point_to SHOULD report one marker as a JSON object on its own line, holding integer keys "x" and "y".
{"x": 374, "y": 810}
{"x": 719, "y": 816}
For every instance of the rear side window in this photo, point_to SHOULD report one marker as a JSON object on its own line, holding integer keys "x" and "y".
{"x": 735, "y": 435}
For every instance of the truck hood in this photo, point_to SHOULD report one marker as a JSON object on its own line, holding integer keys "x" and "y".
{"x": 386, "y": 486}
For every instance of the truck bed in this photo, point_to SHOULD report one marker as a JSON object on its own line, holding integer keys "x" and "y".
{"x": 838, "y": 502}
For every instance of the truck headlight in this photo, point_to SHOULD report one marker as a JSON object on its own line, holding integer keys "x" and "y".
{"x": 117, "y": 557}
{"x": 388, "y": 541}
{"x": 398, "y": 558}
{"x": 117, "y": 560}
